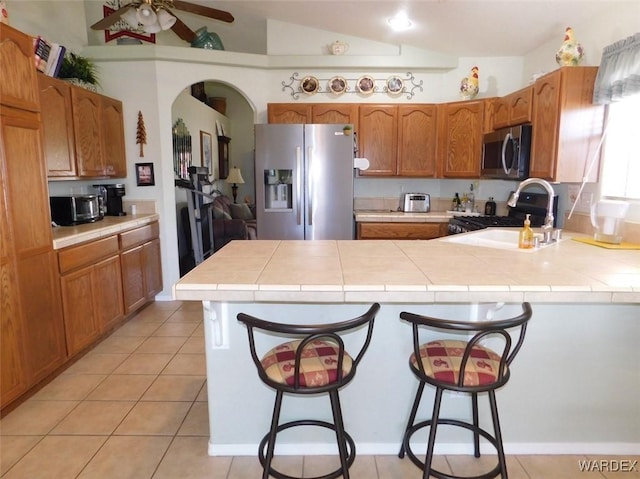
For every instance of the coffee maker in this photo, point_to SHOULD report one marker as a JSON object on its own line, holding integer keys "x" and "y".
{"x": 111, "y": 196}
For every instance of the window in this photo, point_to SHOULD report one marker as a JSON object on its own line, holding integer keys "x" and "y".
{"x": 620, "y": 175}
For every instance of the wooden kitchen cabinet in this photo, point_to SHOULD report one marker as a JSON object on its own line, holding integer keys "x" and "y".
{"x": 567, "y": 127}
{"x": 424, "y": 231}
{"x": 417, "y": 140}
{"x": 32, "y": 334}
{"x": 91, "y": 283}
{"x": 13, "y": 379}
{"x": 398, "y": 140}
{"x": 113, "y": 138}
{"x": 141, "y": 270}
{"x": 289, "y": 113}
{"x": 57, "y": 124}
{"x": 460, "y": 139}
{"x": 378, "y": 139}
{"x": 18, "y": 71}
{"x": 335, "y": 113}
{"x": 318, "y": 113}
{"x": 98, "y": 134}
{"x": 513, "y": 109}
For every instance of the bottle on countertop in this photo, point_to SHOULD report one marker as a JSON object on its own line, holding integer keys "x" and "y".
{"x": 525, "y": 240}
{"x": 471, "y": 199}
{"x": 457, "y": 203}
{"x": 490, "y": 207}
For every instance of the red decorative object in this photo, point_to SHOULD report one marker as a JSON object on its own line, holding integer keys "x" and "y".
{"x": 109, "y": 35}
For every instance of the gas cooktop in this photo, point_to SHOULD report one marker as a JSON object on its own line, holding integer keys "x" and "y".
{"x": 534, "y": 204}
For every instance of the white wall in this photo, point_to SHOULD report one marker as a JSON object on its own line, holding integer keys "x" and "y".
{"x": 594, "y": 35}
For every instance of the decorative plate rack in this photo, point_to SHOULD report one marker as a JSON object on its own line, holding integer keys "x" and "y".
{"x": 364, "y": 85}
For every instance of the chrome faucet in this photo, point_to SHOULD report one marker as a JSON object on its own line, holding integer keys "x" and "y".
{"x": 547, "y": 228}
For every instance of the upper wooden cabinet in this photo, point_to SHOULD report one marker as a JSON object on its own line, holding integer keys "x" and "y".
{"x": 378, "y": 138}
{"x": 318, "y": 113}
{"x": 289, "y": 113}
{"x": 398, "y": 140}
{"x": 513, "y": 109}
{"x": 417, "y": 140}
{"x": 83, "y": 132}
{"x": 57, "y": 125}
{"x": 460, "y": 139}
{"x": 17, "y": 89}
{"x": 115, "y": 162}
{"x": 567, "y": 127}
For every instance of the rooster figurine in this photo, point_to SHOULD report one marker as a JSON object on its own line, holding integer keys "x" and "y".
{"x": 469, "y": 85}
{"x": 571, "y": 52}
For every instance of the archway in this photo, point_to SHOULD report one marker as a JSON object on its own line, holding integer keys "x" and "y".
{"x": 206, "y": 126}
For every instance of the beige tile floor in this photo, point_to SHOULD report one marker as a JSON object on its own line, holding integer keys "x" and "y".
{"x": 135, "y": 408}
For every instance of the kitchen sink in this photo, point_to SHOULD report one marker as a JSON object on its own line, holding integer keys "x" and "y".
{"x": 498, "y": 238}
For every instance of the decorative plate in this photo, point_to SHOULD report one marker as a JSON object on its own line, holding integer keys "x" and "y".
{"x": 338, "y": 85}
{"x": 395, "y": 85}
{"x": 309, "y": 85}
{"x": 366, "y": 84}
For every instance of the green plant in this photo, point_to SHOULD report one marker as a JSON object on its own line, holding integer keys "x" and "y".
{"x": 75, "y": 66}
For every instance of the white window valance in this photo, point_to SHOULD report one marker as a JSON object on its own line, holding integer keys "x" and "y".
{"x": 619, "y": 72}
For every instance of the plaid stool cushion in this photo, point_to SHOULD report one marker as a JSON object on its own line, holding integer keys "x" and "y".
{"x": 441, "y": 361}
{"x": 318, "y": 367}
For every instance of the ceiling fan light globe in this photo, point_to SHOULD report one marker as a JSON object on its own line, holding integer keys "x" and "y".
{"x": 146, "y": 15}
{"x": 165, "y": 19}
{"x": 153, "y": 28}
{"x": 131, "y": 17}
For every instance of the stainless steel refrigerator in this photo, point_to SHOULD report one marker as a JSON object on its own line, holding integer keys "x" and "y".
{"x": 304, "y": 181}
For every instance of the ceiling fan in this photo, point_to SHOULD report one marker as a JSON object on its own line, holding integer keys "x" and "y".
{"x": 154, "y": 16}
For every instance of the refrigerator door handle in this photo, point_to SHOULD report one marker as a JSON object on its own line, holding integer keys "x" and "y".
{"x": 298, "y": 184}
{"x": 310, "y": 186}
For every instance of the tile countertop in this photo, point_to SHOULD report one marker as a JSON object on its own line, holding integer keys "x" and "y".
{"x": 376, "y": 216}
{"x": 64, "y": 236}
{"x": 412, "y": 271}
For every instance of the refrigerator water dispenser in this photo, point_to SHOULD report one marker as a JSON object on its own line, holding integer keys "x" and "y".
{"x": 278, "y": 189}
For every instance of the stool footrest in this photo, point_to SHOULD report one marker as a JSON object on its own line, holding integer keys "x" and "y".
{"x": 351, "y": 449}
{"x": 449, "y": 422}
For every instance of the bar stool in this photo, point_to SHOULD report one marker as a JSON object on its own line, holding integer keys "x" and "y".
{"x": 464, "y": 366}
{"x": 315, "y": 362}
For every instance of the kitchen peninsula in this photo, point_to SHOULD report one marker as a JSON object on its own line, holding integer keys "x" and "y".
{"x": 575, "y": 387}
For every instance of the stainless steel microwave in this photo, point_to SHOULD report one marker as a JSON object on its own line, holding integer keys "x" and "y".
{"x": 506, "y": 153}
{"x": 75, "y": 209}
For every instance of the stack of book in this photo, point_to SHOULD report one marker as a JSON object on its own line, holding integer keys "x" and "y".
{"x": 48, "y": 56}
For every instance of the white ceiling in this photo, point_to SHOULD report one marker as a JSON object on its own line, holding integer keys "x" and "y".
{"x": 457, "y": 27}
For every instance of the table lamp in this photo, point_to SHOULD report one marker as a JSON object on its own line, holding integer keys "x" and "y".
{"x": 235, "y": 177}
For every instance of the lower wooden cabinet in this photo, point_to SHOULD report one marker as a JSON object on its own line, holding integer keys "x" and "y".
{"x": 141, "y": 270}
{"x": 422, "y": 231}
{"x": 91, "y": 291}
{"x": 102, "y": 283}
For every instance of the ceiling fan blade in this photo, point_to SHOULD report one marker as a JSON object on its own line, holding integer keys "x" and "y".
{"x": 204, "y": 11}
{"x": 183, "y": 31}
{"x": 106, "y": 22}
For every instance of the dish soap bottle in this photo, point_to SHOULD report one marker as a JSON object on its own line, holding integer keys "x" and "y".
{"x": 525, "y": 240}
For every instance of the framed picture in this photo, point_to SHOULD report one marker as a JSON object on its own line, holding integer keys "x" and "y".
{"x": 205, "y": 150}
{"x": 197, "y": 91}
{"x": 223, "y": 156}
{"x": 144, "y": 174}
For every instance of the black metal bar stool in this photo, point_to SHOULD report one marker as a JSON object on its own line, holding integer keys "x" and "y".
{"x": 315, "y": 362}
{"x": 464, "y": 366}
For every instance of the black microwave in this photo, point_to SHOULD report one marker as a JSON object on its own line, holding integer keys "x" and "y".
{"x": 506, "y": 153}
{"x": 75, "y": 209}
